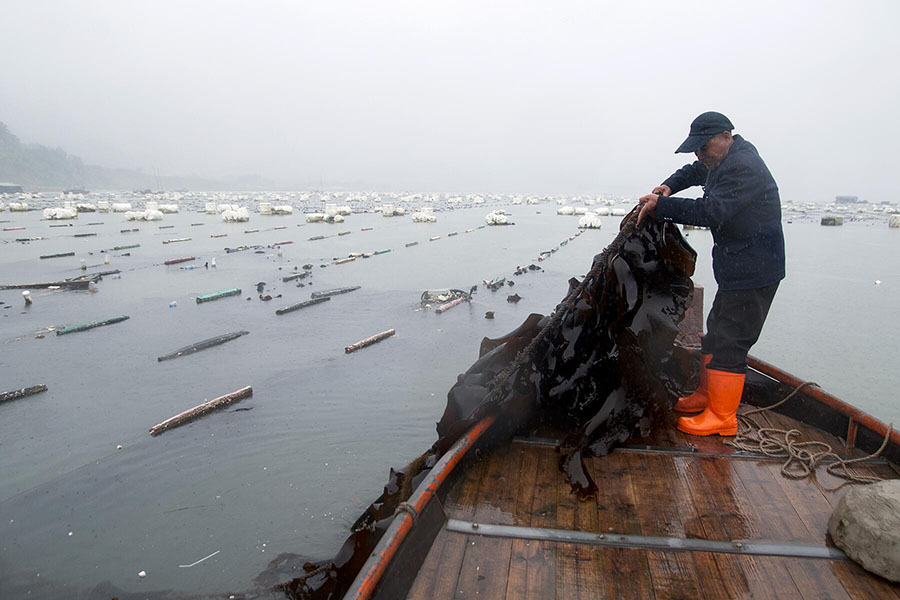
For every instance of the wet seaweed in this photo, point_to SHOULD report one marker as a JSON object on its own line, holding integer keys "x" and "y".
{"x": 600, "y": 367}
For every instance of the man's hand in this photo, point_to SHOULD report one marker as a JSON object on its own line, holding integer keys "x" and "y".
{"x": 662, "y": 190}
{"x": 648, "y": 207}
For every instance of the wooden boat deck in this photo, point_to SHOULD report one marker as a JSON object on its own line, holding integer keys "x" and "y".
{"x": 669, "y": 485}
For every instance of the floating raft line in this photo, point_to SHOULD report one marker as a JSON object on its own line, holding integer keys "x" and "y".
{"x": 279, "y": 227}
{"x": 301, "y": 275}
{"x": 432, "y": 239}
{"x": 13, "y": 228}
{"x": 79, "y": 284}
{"x": 203, "y": 345}
{"x": 128, "y": 247}
{"x": 334, "y": 292}
{"x": 369, "y": 341}
{"x": 29, "y": 391}
{"x": 316, "y": 237}
{"x": 366, "y": 229}
{"x": 85, "y": 234}
{"x": 384, "y": 251}
{"x": 61, "y": 254}
{"x": 452, "y": 233}
{"x": 449, "y": 305}
{"x": 56, "y": 225}
{"x": 87, "y": 326}
{"x": 283, "y": 243}
{"x": 167, "y": 227}
{"x": 218, "y": 235}
{"x": 345, "y": 260}
{"x": 129, "y": 230}
{"x": 31, "y": 239}
{"x": 97, "y": 223}
{"x": 201, "y": 409}
{"x": 344, "y": 232}
{"x": 172, "y": 241}
{"x": 196, "y": 224}
{"x": 412, "y": 244}
{"x": 217, "y": 295}
{"x": 175, "y": 261}
{"x": 251, "y": 231}
{"x": 293, "y": 307}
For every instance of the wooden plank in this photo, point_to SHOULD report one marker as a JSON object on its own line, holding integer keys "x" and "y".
{"x": 776, "y": 516}
{"x": 623, "y": 573}
{"x": 541, "y": 571}
{"x": 485, "y": 566}
{"x": 726, "y": 514}
{"x": 461, "y": 500}
{"x": 523, "y": 551}
{"x": 438, "y": 575}
{"x": 578, "y": 567}
{"x": 674, "y": 574}
{"x": 861, "y": 584}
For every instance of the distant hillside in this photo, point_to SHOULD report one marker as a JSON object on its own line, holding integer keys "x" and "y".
{"x": 36, "y": 166}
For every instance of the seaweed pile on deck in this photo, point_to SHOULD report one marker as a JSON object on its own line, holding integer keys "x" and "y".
{"x": 599, "y": 368}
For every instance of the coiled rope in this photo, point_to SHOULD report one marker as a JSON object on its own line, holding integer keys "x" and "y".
{"x": 803, "y": 457}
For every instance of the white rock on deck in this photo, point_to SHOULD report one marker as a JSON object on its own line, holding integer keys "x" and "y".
{"x": 866, "y": 526}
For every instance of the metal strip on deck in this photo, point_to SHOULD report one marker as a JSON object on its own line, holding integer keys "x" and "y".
{"x": 756, "y": 548}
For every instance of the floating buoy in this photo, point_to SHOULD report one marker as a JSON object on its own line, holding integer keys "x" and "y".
{"x": 27, "y": 295}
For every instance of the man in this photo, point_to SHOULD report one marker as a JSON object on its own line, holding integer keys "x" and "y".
{"x": 740, "y": 205}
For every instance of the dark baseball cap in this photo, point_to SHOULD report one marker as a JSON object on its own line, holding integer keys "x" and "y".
{"x": 702, "y": 128}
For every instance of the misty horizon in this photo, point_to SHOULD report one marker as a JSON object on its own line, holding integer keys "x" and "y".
{"x": 500, "y": 98}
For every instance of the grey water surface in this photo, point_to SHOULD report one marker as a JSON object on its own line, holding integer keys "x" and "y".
{"x": 324, "y": 427}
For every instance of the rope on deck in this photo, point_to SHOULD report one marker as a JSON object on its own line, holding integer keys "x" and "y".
{"x": 803, "y": 457}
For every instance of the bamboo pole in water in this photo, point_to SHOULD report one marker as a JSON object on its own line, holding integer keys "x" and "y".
{"x": 217, "y": 295}
{"x": 91, "y": 325}
{"x": 369, "y": 341}
{"x": 449, "y": 305}
{"x": 35, "y": 389}
{"x": 201, "y": 409}
{"x": 294, "y": 307}
{"x": 203, "y": 345}
{"x": 175, "y": 261}
{"x": 334, "y": 292}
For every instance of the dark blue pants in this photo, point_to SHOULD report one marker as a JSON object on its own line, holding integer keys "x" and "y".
{"x": 734, "y": 325}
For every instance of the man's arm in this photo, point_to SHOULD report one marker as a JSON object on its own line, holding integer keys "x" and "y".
{"x": 685, "y": 177}
{"x": 731, "y": 195}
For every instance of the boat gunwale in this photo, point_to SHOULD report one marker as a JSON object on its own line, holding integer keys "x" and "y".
{"x": 367, "y": 581}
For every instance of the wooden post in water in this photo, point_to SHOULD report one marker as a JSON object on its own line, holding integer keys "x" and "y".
{"x": 369, "y": 341}
{"x": 201, "y": 409}
{"x": 35, "y": 389}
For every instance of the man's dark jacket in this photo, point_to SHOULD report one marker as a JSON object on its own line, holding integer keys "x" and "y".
{"x": 741, "y": 207}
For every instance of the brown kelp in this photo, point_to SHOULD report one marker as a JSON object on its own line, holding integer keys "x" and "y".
{"x": 599, "y": 367}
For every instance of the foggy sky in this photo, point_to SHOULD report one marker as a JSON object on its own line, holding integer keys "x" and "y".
{"x": 533, "y": 97}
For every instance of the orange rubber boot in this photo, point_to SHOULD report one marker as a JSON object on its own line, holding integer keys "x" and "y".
{"x": 720, "y": 417}
{"x": 699, "y": 399}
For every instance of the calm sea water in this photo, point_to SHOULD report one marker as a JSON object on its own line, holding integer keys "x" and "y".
{"x": 292, "y": 473}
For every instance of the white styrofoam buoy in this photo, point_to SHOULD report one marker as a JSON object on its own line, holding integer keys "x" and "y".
{"x": 27, "y": 295}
